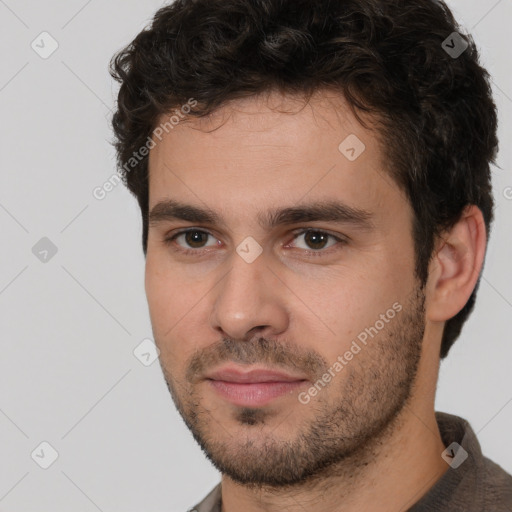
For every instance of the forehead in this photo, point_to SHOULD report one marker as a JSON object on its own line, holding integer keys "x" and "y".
{"x": 274, "y": 120}
{"x": 271, "y": 149}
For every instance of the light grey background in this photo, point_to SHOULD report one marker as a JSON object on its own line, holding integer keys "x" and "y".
{"x": 69, "y": 326}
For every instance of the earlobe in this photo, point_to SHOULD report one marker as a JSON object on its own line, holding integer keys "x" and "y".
{"x": 456, "y": 265}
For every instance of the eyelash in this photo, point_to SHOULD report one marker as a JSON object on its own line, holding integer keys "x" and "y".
{"x": 198, "y": 252}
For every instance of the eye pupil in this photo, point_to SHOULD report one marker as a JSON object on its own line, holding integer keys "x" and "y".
{"x": 194, "y": 237}
{"x": 313, "y": 238}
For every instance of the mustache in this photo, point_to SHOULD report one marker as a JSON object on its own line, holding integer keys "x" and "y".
{"x": 276, "y": 354}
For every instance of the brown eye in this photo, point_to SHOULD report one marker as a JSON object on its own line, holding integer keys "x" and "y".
{"x": 315, "y": 240}
{"x": 196, "y": 239}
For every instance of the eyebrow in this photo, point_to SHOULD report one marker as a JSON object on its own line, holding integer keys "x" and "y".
{"x": 327, "y": 211}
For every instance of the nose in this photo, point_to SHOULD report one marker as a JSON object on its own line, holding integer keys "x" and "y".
{"x": 249, "y": 301}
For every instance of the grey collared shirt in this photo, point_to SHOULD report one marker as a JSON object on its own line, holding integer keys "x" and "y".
{"x": 476, "y": 485}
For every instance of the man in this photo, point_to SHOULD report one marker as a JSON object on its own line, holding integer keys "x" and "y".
{"x": 314, "y": 183}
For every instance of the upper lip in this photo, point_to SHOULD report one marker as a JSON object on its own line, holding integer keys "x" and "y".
{"x": 233, "y": 374}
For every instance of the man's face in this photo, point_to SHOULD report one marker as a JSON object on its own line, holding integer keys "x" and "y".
{"x": 331, "y": 303}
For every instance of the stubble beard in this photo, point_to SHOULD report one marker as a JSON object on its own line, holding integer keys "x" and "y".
{"x": 342, "y": 430}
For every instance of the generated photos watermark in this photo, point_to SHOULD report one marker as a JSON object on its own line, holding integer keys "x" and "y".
{"x": 100, "y": 192}
{"x": 342, "y": 360}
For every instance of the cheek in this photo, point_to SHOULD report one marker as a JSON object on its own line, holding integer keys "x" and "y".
{"x": 346, "y": 302}
{"x": 167, "y": 298}
{"x": 165, "y": 283}
{"x": 158, "y": 288}
{"x": 175, "y": 315}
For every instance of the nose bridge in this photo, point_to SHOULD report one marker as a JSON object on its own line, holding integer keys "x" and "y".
{"x": 244, "y": 300}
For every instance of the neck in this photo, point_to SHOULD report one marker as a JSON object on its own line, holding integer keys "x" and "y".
{"x": 391, "y": 474}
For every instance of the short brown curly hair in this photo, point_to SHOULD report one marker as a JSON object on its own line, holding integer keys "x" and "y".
{"x": 386, "y": 57}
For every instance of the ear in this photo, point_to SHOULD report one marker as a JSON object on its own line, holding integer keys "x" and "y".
{"x": 456, "y": 265}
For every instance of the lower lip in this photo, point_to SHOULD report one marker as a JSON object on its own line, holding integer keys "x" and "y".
{"x": 255, "y": 393}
